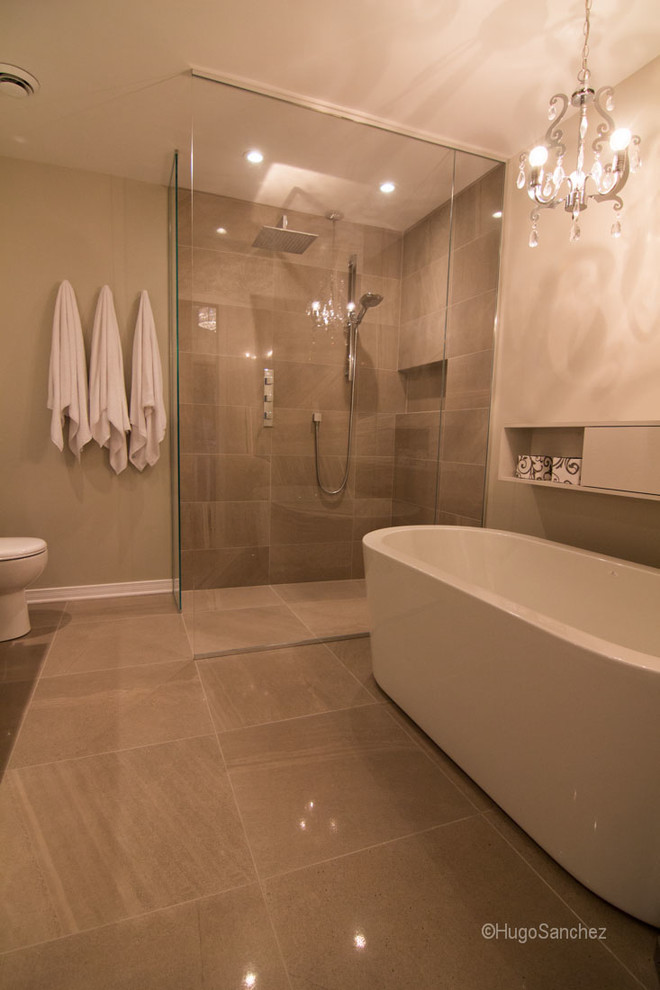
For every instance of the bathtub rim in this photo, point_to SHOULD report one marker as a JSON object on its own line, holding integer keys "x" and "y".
{"x": 609, "y": 650}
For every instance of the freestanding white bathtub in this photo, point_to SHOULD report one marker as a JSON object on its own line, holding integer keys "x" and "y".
{"x": 536, "y": 667}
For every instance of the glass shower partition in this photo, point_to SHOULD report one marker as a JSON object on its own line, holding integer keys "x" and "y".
{"x": 256, "y": 369}
{"x": 173, "y": 292}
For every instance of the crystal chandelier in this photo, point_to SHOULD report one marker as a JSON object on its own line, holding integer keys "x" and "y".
{"x": 327, "y": 310}
{"x": 549, "y": 186}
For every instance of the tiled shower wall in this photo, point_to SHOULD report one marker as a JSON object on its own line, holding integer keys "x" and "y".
{"x": 251, "y": 510}
{"x": 439, "y": 472}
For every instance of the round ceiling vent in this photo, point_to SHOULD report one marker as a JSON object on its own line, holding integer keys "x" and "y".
{"x": 16, "y": 82}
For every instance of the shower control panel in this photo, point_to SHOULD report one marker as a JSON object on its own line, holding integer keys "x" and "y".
{"x": 269, "y": 379}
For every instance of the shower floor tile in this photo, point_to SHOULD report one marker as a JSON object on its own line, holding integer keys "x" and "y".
{"x": 318, "y": 591}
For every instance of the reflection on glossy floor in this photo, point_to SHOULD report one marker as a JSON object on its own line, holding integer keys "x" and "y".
{"x": 262, "y": 819}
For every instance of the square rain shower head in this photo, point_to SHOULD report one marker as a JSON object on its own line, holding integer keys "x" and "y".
{"x": 282, "y": 238}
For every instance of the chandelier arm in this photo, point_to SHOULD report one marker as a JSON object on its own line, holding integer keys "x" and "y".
{"x": 608, "y": 197}
{"x": 553, "y": 135}
{"x": 603, "y": 131}
{"x": 546, "y": 204}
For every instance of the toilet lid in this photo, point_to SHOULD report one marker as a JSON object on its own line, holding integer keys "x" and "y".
{"x": 15, "y": 547}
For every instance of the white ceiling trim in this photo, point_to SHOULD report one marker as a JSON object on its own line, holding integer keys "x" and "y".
{"x": 341, "y": 112}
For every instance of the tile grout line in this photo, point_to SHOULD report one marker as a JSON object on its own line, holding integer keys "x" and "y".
{"x": 110, "y": 752}
{"x": 123, "y": 921}
{"x": 555, "y": 892}
{"x": 245, "y": 834}
{"x": 108, "y": 670}
{"x": 431, "y": 760}
{"x": 368, "y": 848}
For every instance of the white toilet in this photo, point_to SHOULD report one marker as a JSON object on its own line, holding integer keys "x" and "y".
{"x": 22, "y": 560}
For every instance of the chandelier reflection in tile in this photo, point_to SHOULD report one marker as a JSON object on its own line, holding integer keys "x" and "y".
{"x": 326, "y": 310}
{"x": 549, "y": 186}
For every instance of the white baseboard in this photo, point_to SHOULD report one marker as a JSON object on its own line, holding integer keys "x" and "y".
{"x": 120, "y": 590}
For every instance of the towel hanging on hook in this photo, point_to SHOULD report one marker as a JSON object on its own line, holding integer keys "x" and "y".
{"x": 148, "y": 419}
{"x": 108, "y": 410}
{"x": 67, "y": 374}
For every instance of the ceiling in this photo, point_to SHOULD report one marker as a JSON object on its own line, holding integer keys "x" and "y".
{"x": 117, "y": 95}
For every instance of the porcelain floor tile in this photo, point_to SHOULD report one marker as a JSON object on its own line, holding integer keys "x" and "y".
{"x": 355, "y": 654}
{"x": 219, "y": 942}
{"x": 119, "y": 607}
{"x": 333, "y": 618}
{"x": 458, "y": 777}
{"x": 318, "y": 591}
{"x": 410, "y": 914}
{"x": 113, "y": 836}
{"x": 21, "y": 661}
{"x": 631, "y": 941}
{"x": 100, "y": 644}
{"x": 255, "y": 688}
{"x": 233, "y": 598}
{"x": 101, "y": 711}
{"x": 316, "y": 787}
{"x": 235, "y": 629}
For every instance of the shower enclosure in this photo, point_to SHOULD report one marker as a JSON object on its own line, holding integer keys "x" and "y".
{"x": 261, "y": 249}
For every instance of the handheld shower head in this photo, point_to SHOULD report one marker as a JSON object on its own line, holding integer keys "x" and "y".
{"x": 367, "y": 301}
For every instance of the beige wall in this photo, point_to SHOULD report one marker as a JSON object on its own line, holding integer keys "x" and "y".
{"x": 579, "y": 340}
{"x": 90, "y": 229}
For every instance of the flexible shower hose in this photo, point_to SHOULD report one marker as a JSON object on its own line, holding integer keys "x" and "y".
{"x": 317, "y": 424}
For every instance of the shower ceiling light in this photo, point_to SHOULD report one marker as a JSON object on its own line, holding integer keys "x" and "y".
{"x": 550, "y": 186}
{"x": 254, "y": 156}
{"x": 387, "y": 187}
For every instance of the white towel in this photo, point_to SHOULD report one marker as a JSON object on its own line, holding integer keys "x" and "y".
{"x": 67, "y": 375}
{"x": 148, "y": 419}
{"x": 108, "y": 410}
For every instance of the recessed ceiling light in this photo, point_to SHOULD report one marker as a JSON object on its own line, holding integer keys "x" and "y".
{"x": 387, "y": 187}
{"x": 498, "y": 215}
{"x": 254, "y": 156}
{"x": 221, "y": 230}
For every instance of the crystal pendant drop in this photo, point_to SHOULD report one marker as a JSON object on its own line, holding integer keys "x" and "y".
{"x": 534, "y": 237}
{"x": 635, "y": 159}
{"x": 520, "y": 181}
{"x": 597, "y": 171}
{"x": 609, "y": 103}
{"x": 615, "y": 230}
{"x": 558, "y": 175}
{"x": 575, "y": 231}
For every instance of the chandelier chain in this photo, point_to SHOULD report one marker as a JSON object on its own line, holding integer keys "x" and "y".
{"x": 584, "y": 73}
